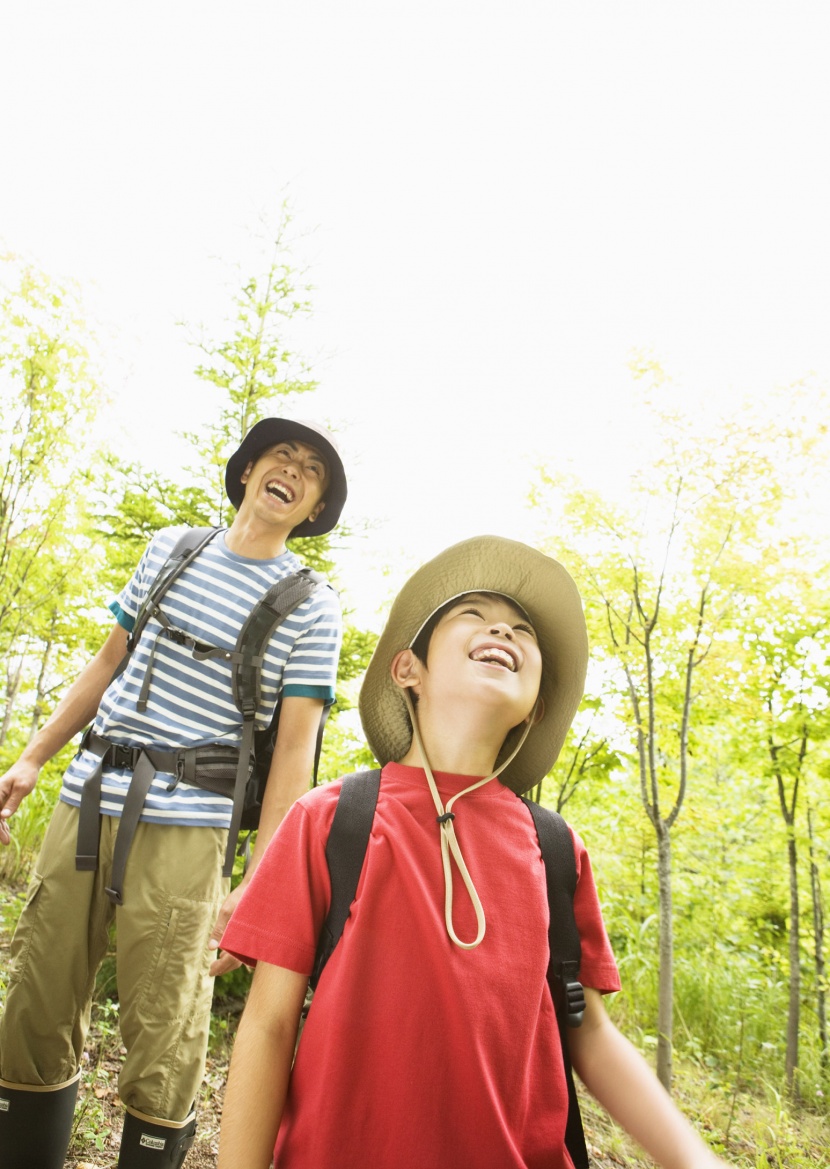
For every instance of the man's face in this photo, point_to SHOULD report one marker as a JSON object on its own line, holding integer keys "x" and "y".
{"x": 286, "y": 483}
{"x": 485, "y": 646}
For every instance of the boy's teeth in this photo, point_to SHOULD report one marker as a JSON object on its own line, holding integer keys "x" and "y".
{"x": 491, "y": 654}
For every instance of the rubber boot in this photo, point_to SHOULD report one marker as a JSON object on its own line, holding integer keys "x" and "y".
{"x": 36, "y": 1124}
{"x": 149, "y": 1143}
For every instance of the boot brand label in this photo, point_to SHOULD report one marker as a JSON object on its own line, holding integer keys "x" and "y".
{"x": 148, "y": 1142}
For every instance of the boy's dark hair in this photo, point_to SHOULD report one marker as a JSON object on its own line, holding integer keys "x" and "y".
{"x": 420, "y": 646}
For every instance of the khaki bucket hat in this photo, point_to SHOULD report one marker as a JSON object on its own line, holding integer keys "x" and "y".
{"x": 547, "y": 593}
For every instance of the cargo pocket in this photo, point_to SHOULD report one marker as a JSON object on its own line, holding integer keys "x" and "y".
{"x": 177, "y": 973}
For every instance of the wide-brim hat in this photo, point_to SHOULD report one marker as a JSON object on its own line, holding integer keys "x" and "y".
{"x": 549, "y": 596}
{"x": 268, "y": 433}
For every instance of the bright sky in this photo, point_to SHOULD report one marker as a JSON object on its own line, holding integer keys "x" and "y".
{"x": 505, "y": 201}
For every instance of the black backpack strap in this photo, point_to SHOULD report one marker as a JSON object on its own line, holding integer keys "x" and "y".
{"x": 188, "y": 545}
{"x": 345, "y": 853}
{"x": 556, "y": 844}
{"x": 187, "y": 548}
{"x": 246, "y": 659}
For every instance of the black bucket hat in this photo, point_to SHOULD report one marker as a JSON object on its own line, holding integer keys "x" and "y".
{"x": 268, "y": 433}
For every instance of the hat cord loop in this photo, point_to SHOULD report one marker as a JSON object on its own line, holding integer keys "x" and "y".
{"x": 449, "y": 841}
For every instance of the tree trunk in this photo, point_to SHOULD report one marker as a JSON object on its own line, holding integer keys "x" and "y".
{"x": 14, "y": 675}
{"x": 795, "y": 970}
{"x": 40, "y": 693}
{"x": 818, "y": 932}
{"x": 665, "y": 999}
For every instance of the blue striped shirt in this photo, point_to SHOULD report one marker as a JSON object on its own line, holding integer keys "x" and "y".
{"x": 190, "y": 703}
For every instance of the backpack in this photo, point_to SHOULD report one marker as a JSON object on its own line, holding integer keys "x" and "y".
{"x": 240, "y": 774}
{"x": 345, "y": 853}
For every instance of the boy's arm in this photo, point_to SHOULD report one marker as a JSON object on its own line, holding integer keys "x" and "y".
{"x": 77, "y": 708}
{"x": 260, "y": 1067}
{"x": 617, "y": 1075}
{"x": 292, "y": 765}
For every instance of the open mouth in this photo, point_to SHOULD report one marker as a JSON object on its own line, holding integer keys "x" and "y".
{"x": 279, "y": 491}
{"x": 496, "y": 655}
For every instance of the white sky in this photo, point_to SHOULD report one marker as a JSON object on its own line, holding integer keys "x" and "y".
{"x": 506, "y": 200}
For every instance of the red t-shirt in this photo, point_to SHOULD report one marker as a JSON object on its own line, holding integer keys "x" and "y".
{"x": 418, "y": 1054}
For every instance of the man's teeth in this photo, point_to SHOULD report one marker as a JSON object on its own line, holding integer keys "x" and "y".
{"x": 492, "y": 654}
{"x": 280, "y": 492}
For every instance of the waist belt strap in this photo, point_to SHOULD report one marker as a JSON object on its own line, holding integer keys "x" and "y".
{"x": 144, "y": 764}
{"x": 133, "y": 804}
{"x": 240, "y": 783}
{"x": 89, "y": 826}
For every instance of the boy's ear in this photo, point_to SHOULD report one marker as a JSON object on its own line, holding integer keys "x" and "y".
{"x": 406, "y": 669}
{"x": 538, "y": 712}
{"x": 243, "y": 478}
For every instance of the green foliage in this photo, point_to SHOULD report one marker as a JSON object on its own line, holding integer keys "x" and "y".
{"x": 49, "y": 394}
{"x": 707, "y": 617}
{"x": 253, "y": 367}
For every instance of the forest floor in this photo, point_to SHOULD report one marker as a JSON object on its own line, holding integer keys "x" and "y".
{"x": 751, "y": 1129}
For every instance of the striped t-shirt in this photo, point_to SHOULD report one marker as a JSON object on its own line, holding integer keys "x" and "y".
{"x": 190, "y": 703}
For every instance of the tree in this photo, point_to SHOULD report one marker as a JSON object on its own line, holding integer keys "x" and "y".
{"x": 787, "y": 667}
{"x": 48, "y": 397}
{"x": 662, "y": 579}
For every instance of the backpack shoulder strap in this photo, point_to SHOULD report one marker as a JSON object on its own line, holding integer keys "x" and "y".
{"x": 246, "y": 675}
{"x": 345, "y": 853}
{"x": 556, "y": 844}
{"x": 271, "y": 609}
{"x": 187, "y": 547}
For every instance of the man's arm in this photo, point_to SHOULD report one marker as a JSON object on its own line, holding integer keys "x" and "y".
{"x": 291, "y": 769}
{"x": 76, "y": 709}
{"x": 260, "y": 1068}
{"x": 617, "y": 1075}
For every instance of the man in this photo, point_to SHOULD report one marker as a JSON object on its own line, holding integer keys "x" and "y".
{"x": 285, "y": 479}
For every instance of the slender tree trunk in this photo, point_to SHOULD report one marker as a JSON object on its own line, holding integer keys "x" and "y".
{"x": 818, "y": 932}
{"x": 40, "y": 693}
{"x": 665, "y": 999}
{"x": 14, "y": 675}
{"x": 795, "y": 970}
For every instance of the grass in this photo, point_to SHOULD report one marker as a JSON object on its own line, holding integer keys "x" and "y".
{"x": 751, "y": 1126}
{"x": 754, "y": 1130}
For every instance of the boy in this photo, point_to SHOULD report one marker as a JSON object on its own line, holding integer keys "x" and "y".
{"x": 432, "y": 1040}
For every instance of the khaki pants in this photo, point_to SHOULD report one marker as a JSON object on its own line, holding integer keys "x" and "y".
{"x": 173, "y": 888}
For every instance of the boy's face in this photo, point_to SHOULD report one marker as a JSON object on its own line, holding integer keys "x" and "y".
{"x": 286, "y": 482}
{"x": 484, "y": 645}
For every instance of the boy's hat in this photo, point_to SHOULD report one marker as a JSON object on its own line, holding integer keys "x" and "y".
{"x": 547, "y": 593}
{"x": 268, "y": 433}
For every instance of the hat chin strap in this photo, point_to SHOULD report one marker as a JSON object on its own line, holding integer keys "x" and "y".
{"x": 449, "y": 841}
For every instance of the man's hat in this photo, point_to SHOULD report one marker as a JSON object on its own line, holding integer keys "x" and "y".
{"x": 268, "y": 433}
{"x": 547, "y": 593}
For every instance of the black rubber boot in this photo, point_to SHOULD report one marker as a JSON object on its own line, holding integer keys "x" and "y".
{"x": 36, "y": 1124}
{"x": 154, "y": 1144}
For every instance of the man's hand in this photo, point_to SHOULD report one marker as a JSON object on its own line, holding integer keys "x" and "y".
{"x": 75, "y": 710}
{"x": 15, "y": 785}
{"x": 224, "y": 962}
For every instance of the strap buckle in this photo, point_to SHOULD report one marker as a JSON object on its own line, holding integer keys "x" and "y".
{"x": 121, "y": 757}
{"x": 574, "y": 1003}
